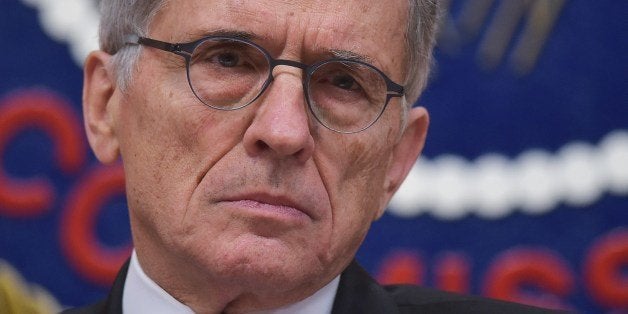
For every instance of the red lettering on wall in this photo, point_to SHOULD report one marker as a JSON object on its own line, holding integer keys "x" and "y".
{"x": 95, "y": 262}
{"x": 452, "y": 272}
{"x": 48, "y": 112}
{"x": 606, "y": 282}
{"x": 538, "y": 269}
{"x": 401, "y": 267}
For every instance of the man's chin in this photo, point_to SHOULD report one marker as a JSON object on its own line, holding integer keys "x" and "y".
{"x": 270, "y": 263}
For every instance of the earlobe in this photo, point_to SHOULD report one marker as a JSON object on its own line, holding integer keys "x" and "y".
{"x": 99, "y": 105}
{"x": 405, "y": 153}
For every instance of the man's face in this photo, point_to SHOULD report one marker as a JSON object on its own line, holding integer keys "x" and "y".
{"x": 263, "y": 197}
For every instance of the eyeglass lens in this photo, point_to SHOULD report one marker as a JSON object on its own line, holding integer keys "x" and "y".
{"x": 228, "y": 74}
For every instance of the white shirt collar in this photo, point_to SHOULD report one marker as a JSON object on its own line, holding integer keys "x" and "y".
{"x": 142, "y": 295}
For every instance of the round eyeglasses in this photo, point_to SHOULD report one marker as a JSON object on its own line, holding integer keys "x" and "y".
{"x": 229, "y": 73}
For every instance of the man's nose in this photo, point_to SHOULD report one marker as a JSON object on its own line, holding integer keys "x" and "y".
{"x": 281, "y": 123}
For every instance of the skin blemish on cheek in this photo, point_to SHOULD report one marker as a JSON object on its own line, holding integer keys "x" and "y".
{"x": 367, "y": 155}
{"x": 361, "y": 158}
{"x": 356, "y": 151}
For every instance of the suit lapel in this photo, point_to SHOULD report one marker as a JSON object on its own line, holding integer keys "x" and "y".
{"x": 359, "y": 293}
{"x": 113, "y": 305}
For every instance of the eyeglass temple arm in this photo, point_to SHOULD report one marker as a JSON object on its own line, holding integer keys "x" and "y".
{"x": 393, "y": 89}
{"x": 162, "y": 45}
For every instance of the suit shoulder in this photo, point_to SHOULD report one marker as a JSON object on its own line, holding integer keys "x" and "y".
{"x": 414, "y": 299}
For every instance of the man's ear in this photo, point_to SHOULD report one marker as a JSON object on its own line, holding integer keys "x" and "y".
{"x": 99, "y": 103}
{"x": 405, "y": 153}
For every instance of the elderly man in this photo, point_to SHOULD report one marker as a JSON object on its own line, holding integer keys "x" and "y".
{"x": 259, "y": 141}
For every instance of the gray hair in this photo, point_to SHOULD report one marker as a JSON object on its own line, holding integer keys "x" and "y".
{"x": 420, "y": 40}
{"x": 120, "y": 18}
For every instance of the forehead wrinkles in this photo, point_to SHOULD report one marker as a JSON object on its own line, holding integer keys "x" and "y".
{"x": 295, "y": 20}
{"x": 372, "y": 28}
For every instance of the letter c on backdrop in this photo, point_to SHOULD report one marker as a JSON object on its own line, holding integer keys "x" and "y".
{"x": 604, "y": 269}
{"x": 92, "y": 260}
{"x": 44, "y": 110}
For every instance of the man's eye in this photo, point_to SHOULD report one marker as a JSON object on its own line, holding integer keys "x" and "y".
{"x": 228, "y": 59}
{"x": 345, "y": 82}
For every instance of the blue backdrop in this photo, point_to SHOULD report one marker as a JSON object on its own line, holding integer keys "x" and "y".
{"x": 521, "y": 194}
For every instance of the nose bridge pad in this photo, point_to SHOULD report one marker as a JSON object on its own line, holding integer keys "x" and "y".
{"x": 289, "y": 63}
{"x": 274, "y": 72}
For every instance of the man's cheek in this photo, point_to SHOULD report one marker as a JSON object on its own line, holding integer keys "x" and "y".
{"x": 364, "y": 160}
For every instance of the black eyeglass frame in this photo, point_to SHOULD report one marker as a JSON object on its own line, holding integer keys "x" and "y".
{"x": 186, "y": 49}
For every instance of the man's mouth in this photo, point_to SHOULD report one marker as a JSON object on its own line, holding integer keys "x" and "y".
{"x": 269, "y": 205}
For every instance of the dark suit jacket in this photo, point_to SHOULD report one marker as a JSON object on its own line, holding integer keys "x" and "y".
{"x": 359, "y": 293}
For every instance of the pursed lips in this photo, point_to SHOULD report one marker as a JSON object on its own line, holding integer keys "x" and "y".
{"x": 279, "y": 204}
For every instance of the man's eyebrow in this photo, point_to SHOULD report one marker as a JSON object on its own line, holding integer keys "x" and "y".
{"x": 350, "y": 55}
{"x": 239, "y": 34}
